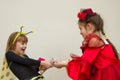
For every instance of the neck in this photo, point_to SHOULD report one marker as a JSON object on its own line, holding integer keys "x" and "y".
{"x": 17, "y": 53}
{"x": 97, "y": 33}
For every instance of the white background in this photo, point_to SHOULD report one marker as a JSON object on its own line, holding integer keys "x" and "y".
{"x": 55, "y": 24}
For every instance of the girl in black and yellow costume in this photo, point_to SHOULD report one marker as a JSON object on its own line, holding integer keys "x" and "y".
{"x": 17, "y": 65}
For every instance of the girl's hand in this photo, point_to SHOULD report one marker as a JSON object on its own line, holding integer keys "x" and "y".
{"x": 59, "y": 64}
{"x": 74, "y": 56}
{"x": 46, "y": 64}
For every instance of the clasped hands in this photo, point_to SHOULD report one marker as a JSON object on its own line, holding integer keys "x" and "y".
{"x": 54, "y": 63}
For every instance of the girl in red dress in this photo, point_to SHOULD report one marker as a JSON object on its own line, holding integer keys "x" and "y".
{"x": 100, "y": 58}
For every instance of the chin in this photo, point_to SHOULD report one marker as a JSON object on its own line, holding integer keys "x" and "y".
{"x": 83, "y": 37}
{"x": 22, "y": 53}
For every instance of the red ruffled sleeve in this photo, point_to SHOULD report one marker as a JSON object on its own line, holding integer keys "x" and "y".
{"x": 80, "y": 68}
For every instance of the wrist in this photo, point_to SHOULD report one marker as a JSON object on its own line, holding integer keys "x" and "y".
{"x": 64, "y": 63}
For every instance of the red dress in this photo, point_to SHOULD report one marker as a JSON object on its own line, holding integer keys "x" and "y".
{"x": 98, "y": 62}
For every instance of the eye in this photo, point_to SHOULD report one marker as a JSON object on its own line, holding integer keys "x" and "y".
{"x": 22, "y": 42}
{"x": 80, "y": 28}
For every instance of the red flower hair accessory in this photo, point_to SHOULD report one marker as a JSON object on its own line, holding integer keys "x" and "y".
{"x": 82, "y": 15}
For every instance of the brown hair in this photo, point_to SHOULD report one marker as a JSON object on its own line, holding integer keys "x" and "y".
{"x": 97, "y": 21}
{"x": 10, "y": 45}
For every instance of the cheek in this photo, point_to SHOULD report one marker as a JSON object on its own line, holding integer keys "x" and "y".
{"x": 18, "y": 45}
{"x": 83, "y": 31}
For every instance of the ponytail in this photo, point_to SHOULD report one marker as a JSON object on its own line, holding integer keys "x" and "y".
{"x": 114, "y": 49}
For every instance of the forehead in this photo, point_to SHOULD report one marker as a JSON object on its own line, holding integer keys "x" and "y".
{"x": 22, "y": 38}
{"x": 81, "y": 25}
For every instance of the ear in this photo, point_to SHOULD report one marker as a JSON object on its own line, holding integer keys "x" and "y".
{"x": 90, "y": 27}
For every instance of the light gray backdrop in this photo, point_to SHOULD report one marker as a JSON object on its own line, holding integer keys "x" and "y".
{"x": 55, "y": 24}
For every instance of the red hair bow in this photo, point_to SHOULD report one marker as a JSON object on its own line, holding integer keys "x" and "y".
{"x": 82, "y": 16}
{"x": 86, "y": 12}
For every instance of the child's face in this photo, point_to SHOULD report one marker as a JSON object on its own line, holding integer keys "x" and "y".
{"x": 85, "y": 29}
{"x": 20, "y": 47}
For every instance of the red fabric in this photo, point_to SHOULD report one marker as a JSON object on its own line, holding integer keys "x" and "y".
{"x": 86, "y": 12}
{"x": 87, "y": 39}
{"x": 41, "y": 59}
{"x": 82, "y": 16}
{"x": 95, "y": 64}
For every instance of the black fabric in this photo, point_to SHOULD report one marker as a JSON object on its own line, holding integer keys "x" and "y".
{"x": 22, "y": 67}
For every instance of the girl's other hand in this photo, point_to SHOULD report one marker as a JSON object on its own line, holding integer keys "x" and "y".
{"x": 59, "y": 64}
{"x": 74, "y": 56}
{"x": 46, "y": 64}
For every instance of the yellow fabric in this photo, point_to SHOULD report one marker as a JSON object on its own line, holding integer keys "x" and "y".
{"x": 35, "y": 78}
{"x": 6, "y": 73}
{"x": 106, "y": 37}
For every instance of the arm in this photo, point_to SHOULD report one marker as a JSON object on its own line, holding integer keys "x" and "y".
{"x": 59, "y": 64}
{"x": 11, "y": 56}
{"x": 95, "y": 46}
{"x": 44, "y": 64}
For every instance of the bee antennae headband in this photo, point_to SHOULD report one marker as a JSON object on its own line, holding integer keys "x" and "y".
{"x": 21, "y": 33}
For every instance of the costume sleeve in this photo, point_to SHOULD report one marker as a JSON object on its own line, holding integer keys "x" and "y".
{"x": 90, "y": 54}
{"x": 83, "y": 67}
{"x": 22, "y": 60}
{"x": 80, "y": 68}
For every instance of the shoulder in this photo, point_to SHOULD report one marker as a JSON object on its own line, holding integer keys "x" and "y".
{"x": 9, "y": 53}
{"x": 95, "y": 41}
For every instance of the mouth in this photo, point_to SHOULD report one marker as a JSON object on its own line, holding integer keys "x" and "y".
{"x": 23, "y": 49}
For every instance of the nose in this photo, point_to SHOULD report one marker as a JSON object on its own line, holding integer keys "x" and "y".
{"x": 25, "y": 45}
{"x": 80, "y": 32}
